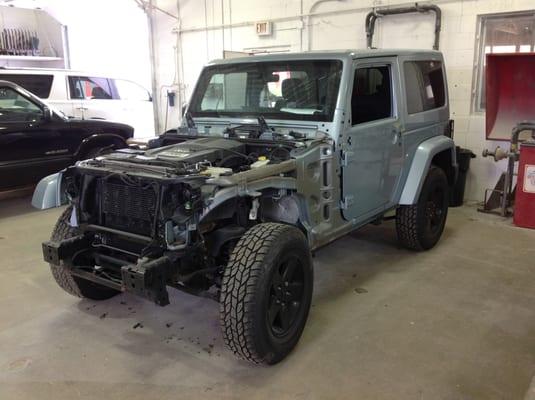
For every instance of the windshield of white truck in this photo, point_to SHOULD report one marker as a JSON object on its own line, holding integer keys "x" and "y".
{"x": 297, "y": 90}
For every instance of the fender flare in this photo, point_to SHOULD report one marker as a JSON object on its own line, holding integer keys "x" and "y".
{"x": 105, "y": 139}
{"x": 420, "y": 165}
{"x": 49, "y": 192}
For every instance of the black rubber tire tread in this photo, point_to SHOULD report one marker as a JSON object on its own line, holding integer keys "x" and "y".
{"x": 239, "y": 289}
{"x": 406, "y": 227}
{"x": 409, "y": 218}
{"x": 62, "y": 230}
{"x": 75, "y": 286}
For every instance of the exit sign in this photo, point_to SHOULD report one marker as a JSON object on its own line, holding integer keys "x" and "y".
{"x": 263, "y": 28}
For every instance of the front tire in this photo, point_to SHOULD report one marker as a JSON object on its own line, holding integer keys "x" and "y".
{"x": 420, "y": 226}
{"x": 266, "y": 293}
{"x": 72, "y": 284}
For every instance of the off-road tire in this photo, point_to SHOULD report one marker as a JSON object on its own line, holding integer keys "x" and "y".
{"x": 71, "y": 284}
{"x": 412, "y": 222}
{"x": 247, "y": 292}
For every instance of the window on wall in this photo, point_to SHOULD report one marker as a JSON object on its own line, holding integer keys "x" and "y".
{"x": 501, "y": 33}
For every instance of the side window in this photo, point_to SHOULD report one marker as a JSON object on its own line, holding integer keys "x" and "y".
{"x": 131, "y": 91}
{"x": 84, "y": 87}
{"x": 75, "y": 88}
{"x": 371, "y": 98}
{"x": 424, "y": 85}
{"x": 16, "y": 108}
{"x": 40, "y": 85}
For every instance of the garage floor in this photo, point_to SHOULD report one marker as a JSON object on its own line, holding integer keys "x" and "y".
{"x": 457, "y": 322}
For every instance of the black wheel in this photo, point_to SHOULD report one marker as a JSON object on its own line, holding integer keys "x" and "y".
{"x": 266, "y": 293}
{"x": 72, "y": 284}
{"x": 420, "y": 226}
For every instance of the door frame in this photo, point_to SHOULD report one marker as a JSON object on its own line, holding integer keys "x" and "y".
{"x": 396, "y": 119}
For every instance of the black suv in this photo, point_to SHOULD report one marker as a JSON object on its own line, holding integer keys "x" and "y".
{"x": 36, "y": 140}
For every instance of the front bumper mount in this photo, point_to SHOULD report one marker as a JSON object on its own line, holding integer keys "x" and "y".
{"x": 147, "y": 278}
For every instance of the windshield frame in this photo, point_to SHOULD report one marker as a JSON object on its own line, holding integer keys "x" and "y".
{"x": 268, "y": 113}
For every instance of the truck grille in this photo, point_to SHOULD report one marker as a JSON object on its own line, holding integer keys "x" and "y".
{"x": 128, "y": 208}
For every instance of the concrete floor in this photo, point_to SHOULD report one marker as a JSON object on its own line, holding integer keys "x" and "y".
{"x": 457, "y": 322}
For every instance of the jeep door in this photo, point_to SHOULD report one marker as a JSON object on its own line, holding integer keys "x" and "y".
{"x": 372, "y": 146}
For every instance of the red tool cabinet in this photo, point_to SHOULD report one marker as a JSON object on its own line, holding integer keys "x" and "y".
{"x": 524, "y": 214}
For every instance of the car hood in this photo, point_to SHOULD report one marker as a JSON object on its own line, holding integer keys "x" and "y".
{"x": 100, "y": 124}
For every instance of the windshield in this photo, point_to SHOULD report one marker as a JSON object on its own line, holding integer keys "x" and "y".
{"x": 302, "y": 90}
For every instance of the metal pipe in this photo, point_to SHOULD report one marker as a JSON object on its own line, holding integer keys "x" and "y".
{"x": 309, "y": 17}
{"x": 110, "y": 259}
{"x": 154, "y": 68}
{"x": 372, "y": 16}
{"x": 241, "y": 24}
{"x": 134, "y": 236}
{"x": 95, "y": 278}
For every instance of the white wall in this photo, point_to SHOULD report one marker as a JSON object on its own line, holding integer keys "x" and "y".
{"x": 335, "y": 29}
{"x": 105, "y": 36}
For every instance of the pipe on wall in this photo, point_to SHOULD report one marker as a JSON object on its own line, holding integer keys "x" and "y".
{"x": 417, "y": 8}
{"x": 153, "y": 65}
{"x": 297, "y": 17}
{"x": 309, "y": 17}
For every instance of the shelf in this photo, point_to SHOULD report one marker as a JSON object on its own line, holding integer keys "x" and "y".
{"x": 30, "y": 58}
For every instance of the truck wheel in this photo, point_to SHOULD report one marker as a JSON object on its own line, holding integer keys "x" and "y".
{"x": 72, "y": 284}
{"x": 420, "y": 226}
{"x": 266, "y": 293}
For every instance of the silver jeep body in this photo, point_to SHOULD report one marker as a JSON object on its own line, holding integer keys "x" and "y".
{"x": 231, "y": 204}
{"x": 350, "y": 174}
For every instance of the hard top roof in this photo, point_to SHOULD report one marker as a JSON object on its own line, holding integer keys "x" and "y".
{"x": 330, "y": 54}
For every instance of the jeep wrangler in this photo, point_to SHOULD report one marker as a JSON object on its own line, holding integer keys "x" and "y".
{"x": 276, "y": 156}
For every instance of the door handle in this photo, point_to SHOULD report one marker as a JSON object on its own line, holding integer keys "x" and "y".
{"x": 81, "y": 108}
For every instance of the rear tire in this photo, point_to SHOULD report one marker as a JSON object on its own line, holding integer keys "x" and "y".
{"x": 72, "y": 284}
{"x": 420, "y": 226}
{"x": 266, "y": 293}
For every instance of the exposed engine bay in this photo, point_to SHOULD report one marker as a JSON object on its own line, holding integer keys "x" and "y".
{"x": 171, "y": 215}
{"x": 206, "y": 156}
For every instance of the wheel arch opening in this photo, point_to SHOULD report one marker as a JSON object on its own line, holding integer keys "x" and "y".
{"x": 444, "y": 160}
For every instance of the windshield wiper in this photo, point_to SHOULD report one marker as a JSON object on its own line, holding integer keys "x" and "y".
{"x": 263, "y": 125}
{"x": 189, "y": 121}
{"x": 255, "y": 131}
{"x": 190, "y": 128}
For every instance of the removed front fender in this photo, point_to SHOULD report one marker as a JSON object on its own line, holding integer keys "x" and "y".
{"x": 49, "y": 192}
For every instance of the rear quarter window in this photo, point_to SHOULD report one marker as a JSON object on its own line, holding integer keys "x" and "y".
{"x": 40, "y": 85}
{"x": 424, "y": 85}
